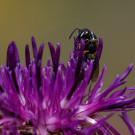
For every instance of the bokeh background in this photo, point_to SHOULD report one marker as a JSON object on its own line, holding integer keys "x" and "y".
{"x": 54, "y": 21}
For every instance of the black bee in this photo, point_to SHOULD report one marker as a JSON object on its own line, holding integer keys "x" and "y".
{"x": 91, "y": 45}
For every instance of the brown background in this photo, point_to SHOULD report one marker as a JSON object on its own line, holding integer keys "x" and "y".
{"x": 54, "y": 21}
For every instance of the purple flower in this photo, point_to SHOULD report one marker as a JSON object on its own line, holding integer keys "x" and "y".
{"x": 52, "y": 100}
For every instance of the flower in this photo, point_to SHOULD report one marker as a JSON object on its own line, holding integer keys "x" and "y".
{"x": 52, "y": 100}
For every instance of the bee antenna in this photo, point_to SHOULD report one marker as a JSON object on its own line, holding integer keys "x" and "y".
{"x": 73, "y": 32}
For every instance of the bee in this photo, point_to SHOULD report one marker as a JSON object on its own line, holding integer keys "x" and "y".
{"x": 90, "y": 49}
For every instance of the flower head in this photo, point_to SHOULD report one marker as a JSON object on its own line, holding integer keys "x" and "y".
{"x": 52, "y": 100}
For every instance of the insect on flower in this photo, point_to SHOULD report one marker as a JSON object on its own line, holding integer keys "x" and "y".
{"x": 51, "y": 100}
{"x": 90, "y": 50}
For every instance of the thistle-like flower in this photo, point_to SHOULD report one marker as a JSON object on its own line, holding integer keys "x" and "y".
{"x": 52, "y": 100}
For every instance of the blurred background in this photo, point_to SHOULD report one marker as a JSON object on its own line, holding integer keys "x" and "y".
{"x": 54, "y": 21}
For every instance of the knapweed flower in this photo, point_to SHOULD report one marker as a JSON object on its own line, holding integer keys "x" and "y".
{"x": 52, "y": 100}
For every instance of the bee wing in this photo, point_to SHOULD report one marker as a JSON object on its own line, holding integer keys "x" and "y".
{"x": 95, "y": 74}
